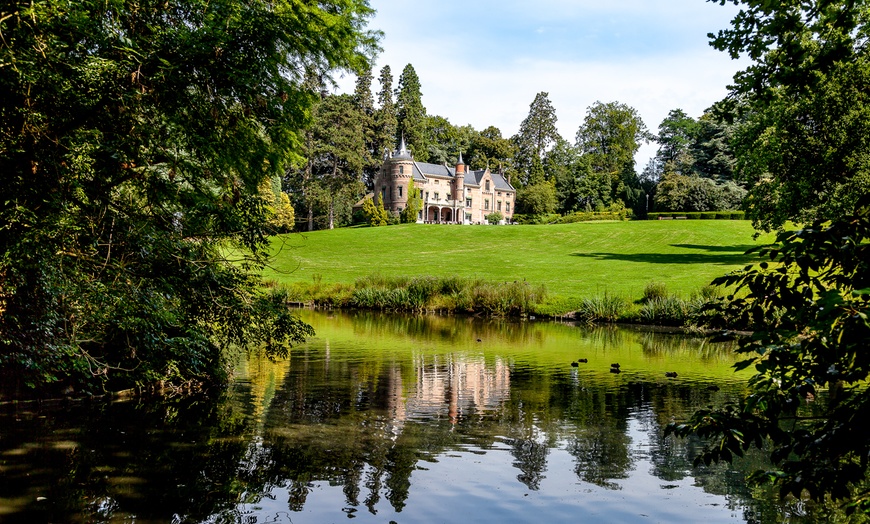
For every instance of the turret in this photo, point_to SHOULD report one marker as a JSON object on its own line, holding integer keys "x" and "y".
{"x": 459, "y": 180}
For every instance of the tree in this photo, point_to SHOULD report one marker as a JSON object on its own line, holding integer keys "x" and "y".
{"x": 801, "y": 145}
{"x": 133, "y": 139}
{"x": 281, "y": 215}
{"x": 577, "y": 187}
{"x": 386, "y": 125}
{"x": 410, "y": 113}
{"x": 489, "y": 150}
{"x": 712, "y": 151}
{"x": 537, "y": 133}
{"x": 537, "y": 199}
{"x": 375, "y": 212}
{"x": 414, "y": 204}
{"x": 365, "y": 105}
{"x": 804, "y": 101}
{"x": 445, "y": 140}
{"x": 677, "y": 134}
{"x": 809, "y": 308}
{"x": 611, "y": 134}
{"x": 339, "y": 150}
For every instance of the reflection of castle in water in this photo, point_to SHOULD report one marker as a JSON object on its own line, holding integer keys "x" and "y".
{"x": 449, "y": 385}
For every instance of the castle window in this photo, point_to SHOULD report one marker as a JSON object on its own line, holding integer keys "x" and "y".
{"x": 486, "y": 204}
{"x": 487, "y": 185}
{"x": 467, "y": 202}
{"x": 499, "y": 193}
{"x": 436, "y": 196}
{"x": 400, "y": 191}
{"x": 383, "y": 193}
{"x": 499, "y": 205}
{"x": 401, "y": 170}
{"x": 507, "y": 207}
{"x": 448, "y": 196}
{"x": 427, "y": 196}
{"x": 468, "y": 217}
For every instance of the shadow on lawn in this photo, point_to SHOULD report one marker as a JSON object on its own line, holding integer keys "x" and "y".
{"x": 717, "y": 255}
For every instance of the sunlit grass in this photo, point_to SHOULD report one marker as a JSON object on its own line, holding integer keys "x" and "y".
{"x": 575, "y": 262}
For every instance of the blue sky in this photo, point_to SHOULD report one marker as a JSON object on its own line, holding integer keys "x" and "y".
{"x": 482, "y": 62}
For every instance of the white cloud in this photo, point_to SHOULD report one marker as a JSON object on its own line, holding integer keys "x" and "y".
{"x": 471, "y": 73}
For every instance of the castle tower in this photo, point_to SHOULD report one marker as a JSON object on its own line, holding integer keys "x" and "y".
{"x": 395, "y": 176}
{"x": 459, "y": 190}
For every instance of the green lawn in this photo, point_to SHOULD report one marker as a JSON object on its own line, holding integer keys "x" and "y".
{"x": 573, "y": 260}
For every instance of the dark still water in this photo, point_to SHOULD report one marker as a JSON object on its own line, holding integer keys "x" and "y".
{"x": 403, "y": 419}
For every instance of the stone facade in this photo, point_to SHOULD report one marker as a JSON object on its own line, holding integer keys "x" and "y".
{"x": 451, "y": 195}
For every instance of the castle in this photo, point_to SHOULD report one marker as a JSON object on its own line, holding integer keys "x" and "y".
{"x": 451, "y": 195}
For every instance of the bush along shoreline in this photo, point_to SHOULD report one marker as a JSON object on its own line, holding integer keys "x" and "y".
{"x": 456, "y": 295}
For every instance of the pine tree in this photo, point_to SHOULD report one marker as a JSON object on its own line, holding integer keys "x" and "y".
{"x": 386, "y": 125}
{"x": 411, "y": 114}
{"x": 537, "y": 133}
{"x": 365, "y": 105}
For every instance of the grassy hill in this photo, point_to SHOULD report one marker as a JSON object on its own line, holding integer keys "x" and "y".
{"x": 573, "y": 261}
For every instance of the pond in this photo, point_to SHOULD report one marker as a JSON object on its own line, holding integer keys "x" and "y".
{"x": 400, "y": 419}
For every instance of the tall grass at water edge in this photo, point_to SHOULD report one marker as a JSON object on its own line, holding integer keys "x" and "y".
{"x": 415, "y": 294}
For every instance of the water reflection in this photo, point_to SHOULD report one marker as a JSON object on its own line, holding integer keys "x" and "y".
{"x": 399, "y": 418}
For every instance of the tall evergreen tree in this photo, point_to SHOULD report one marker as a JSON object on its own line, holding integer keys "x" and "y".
{"x": 536, "y": 135}
{"x": 339, "y": 152}
{"x": 386, "y": 124}
{"x": 365, "y": 105}
{"x": 411, "y": 114}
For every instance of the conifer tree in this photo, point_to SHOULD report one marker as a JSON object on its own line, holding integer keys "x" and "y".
{"x": 536, "y": 135}
{"x": 386, "y": 124}
{"x": 411, "y": 114}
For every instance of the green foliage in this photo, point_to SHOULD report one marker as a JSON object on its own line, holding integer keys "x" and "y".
{"x": 806, "y": 99}
{"x": 411, "y": 115}
{"x": 809, "y": 306}
{"x": 610, "y": 135}
{"x": 415, "y": 203}
{"x": 374, "y": 213}
{"x": 134, "y": 137}
{"x": 604, "y": 308}
{"x": 451, "y": 294}
{"x": 655, "y": 290}
{"x": 494, "y": 218}
{"x": 537, "y": 133}
{"x": 694, "y": 215}
{"x": 489, "y": 149}
{"x": 677, "y": 192}
{"x": 537, "y": 199}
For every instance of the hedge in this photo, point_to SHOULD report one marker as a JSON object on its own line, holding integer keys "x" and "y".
{"x": 697, "y": 215}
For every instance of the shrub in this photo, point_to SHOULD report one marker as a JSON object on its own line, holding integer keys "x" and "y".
{"x": 494, "y": 218}
{"x": 654, "y": 290}
{"x": 606, "y": 308}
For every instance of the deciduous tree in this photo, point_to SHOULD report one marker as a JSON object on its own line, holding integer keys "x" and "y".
{"x": 133, "y": 139}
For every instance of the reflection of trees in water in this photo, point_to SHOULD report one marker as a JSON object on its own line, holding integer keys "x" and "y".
{"x": 456, "y": 329}
{"x": 531, "y": 460}
{"x": 364, "y": 425}
{"x": 670, "y": 344}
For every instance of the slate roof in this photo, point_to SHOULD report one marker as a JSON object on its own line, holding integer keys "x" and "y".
{"x": 435, "y": 169}
{"x": 472, "y": 178}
